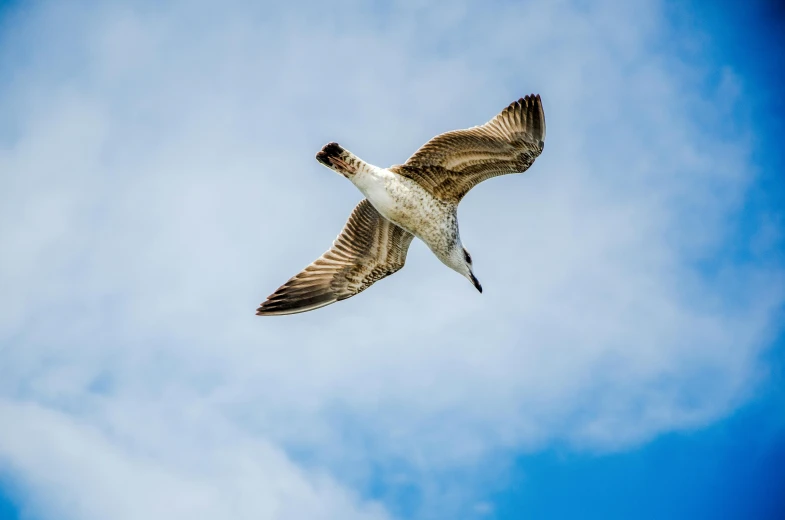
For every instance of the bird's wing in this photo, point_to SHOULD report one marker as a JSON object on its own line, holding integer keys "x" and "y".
{"x": 452, "y": 163}
{"x": 369, "y": 248}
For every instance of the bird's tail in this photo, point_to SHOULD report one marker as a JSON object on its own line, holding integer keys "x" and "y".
{"x": 337, "y": 158}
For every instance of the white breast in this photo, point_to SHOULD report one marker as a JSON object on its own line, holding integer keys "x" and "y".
{"x": 410, "y": 206}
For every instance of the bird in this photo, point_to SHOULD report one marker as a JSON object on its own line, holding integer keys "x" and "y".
{"x": 418, "y": 198}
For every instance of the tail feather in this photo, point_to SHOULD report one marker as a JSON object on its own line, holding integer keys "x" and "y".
{"x": 339, "y": 159}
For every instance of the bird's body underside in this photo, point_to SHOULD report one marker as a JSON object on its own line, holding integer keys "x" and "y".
{"x": 418, "y": 198}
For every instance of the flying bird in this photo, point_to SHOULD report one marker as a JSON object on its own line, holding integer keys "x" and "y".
{"x": 416, "y": 199}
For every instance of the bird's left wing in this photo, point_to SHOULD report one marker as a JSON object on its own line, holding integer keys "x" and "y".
{"x": 369, "y": 248}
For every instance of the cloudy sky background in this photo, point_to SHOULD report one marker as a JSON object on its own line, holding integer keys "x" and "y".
{"x": 157, "y": 181}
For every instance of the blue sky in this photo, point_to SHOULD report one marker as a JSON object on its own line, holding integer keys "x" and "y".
{"x": 157, "y": 181}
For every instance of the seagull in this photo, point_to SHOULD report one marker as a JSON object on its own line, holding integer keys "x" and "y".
{"x": 416, "y": 199}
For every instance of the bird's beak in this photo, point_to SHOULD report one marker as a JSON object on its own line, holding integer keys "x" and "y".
{"x": 475, "y": 281}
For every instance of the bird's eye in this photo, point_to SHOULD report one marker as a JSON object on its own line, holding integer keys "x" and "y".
{"x": 467, "y": 256}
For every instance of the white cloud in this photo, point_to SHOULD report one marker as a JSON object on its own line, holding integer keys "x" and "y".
{"x": 146, "y": 468}
{"x": 158, "y": 182}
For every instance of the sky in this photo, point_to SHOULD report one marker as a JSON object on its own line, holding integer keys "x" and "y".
{"x": 157, "y": 182}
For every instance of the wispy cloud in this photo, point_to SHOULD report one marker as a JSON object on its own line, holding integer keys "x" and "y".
{"x": 157, "y": 181}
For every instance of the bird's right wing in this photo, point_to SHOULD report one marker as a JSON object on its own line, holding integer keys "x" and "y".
{"x": 369, "y": 248}
{"x": 452, "y": 163}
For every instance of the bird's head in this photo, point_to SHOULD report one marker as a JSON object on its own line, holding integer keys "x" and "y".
{"x": 462, "y": 262}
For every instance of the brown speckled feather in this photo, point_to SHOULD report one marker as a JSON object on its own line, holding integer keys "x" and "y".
{"x": 452, "y": 163}
{"x": 369, "y": 248}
